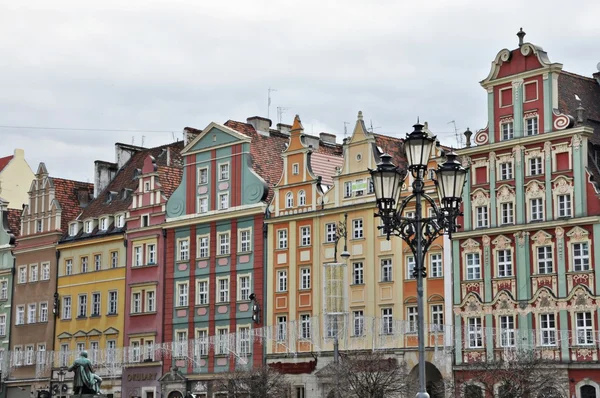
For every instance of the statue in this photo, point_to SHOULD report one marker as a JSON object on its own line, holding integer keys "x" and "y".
{"x": 85, "y": 381}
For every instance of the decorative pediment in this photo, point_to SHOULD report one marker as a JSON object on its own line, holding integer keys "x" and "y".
{"x": 542, "y": 238}
{"x": 110, "y": 331}
{"x": 578, "y": 234}
{"x": 580, "y": 298}
{"x": 435, "y": 298}
{"x": 410, "y": 300}
{"x": 470, "y": 245}
{"x": 501, "y": 242}
{"x": 472, "y": 304}
{"x": 65, "y": 335}
{"x": 504, "y": 303}
{"x": 212, "y": 135}
{"x": 506, "y": 193}
{"x": 94, "y": 332}
{"x": 544, "y": 300}
{"x": 80, "y": 333}
{"x": 480, "y": 197}
{"x": 562, "y": 185}
{"x": 533, "y": 189}
{"x": 174, "y": 376}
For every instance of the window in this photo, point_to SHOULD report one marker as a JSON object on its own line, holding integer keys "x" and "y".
{"x": 332, "y": 326}
{"x": 29, "y": 355}
{"x": 348, "y": 189}
{"x": 473, "y": 266}
{"x": 282, "y": 239}
{"x": 41, "y": 353}
{"x": 202, "y": 204}
{"x": 82, "y": 307}
{"x": 412, "y": 316}
{"x": 223, "y": 290}
{"x": 436, "y": 265}
{"x": 504, "y": 263}
{"x": 111, "y": 346}
{"x": 224, "y": 171}
{"x": 281, "y": 327}
{"x": 301, "y": 198}
{"x": 120, "y": 221}
{"x": 97, "y": 262}
{"x": 20, "y": 315}
{"x": 585, "y": 334}
{"x": 244, "y": 342}
{"x": 475, "y": 332}
{"x": 245, "y": 240}
{"x": 304, "y": 236}
{"x": 104, "y": 223}
{"x": 151, "y": 254}
{"x": 150, "y": 301}
{"x": 544, "y": 260}
{"x": 387, "y": 322}
{"x": 147, "y": 186}
{"x": 282, "y": 281}
{"x": 535, "y": 166}
{"x": 531, "y": 125}
{"x": 359, "y": 322}
{"x": 2, "y": 325}
{"x": 581, "y": 257}
{"x": 506, "y": 171}
{"x": 537, "y": 209}
{"x": 184, "y": 250}
{"x": 330, "y": 232}
{"x": 66, "y": 308}
{"x": 182, "y": 294}
{"x": 410, "y": 267}
{"x": 437, "y": 318}
{"x": 507, "y": 131}
{"x": 305, "y": 326}
{"x": 222, "y": 341}
{"x": 4, "y": 290}
{"x": 136, "y": 303}
{"x": 94, "y": 347}
{"x": 114, "y": 259}
{"x": 72, "y": 229}
{"x": 224, "y": 243}
{"x": 304, "y": 278}
{"x": 33, "y": 273}
{"x": 112, "y": 302}
{"x": 547, "y": 330}
{"x": 135, "y": 351}
{"x": 482, "y": 216}
{"x": 64, "y": 355}
{"x": 359, "y": 187}
{"x": 180, "y": 344}
{"x": 84, "y": 264}
{"x": 410, "y": 214}
{"x": 299, "y": 392}
{"x": 507, "y": 331}
{"x": 68, "y": 267}
{"x": 31, "y": 313}
{"x": 45, "y": 271}
{"x": 357, "y": 228}
{"x": 386, "y": 270}
{"x": 295, "y": 169}
{"x": 507, "y": 214}
{"x": 96, "y": 304}
{"x": 201, "y": 292}
{"x": 145, "y": 220}
{"x": 202, "y": 175}
{"x": 88, "y": 227}
{"x": 244, "y": 286}
{"x": 289, "y": 200}
{"x": 224, "y": 201}
{"x": 149, "y": 349}
{"x": 358, "y": 273}
{"x": 23, "y": 274}
{"x": 202, "y": 343}
{"x": 203, "y": 246}
{"x": 18, "y": 355}
{"x": 370, "y": 186}
{"x": 564, "y": 205}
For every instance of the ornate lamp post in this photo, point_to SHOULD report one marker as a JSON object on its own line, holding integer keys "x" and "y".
{"x": 419, "y": 232}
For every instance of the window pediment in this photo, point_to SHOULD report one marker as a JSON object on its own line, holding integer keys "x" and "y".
{"x": 542, "y": 238}
{"x": 502, "y": 242}
{"x": 470, "y": 245}
{"x": 480, "y": 197}
{"x": 578, "y": 234}
{"x": 533, "y": 189}
{"x": 506, "y": 193}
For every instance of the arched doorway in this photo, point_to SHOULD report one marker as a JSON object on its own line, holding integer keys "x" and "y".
{"x": 175, "y": 394}
{"x": 588, "y": 391}
{"x": 433, "y": 377}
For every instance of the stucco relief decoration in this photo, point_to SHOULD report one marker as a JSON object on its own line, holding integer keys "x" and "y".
{"x": 560, "y": 147}
{"x": 472, "y": 305}
{"x": 542, "y": 238}
{"x": 562, "y": 121}
{"x": 505, "y": 194}
{"x": 562, "y": 186}
{"x": 521, "y": 237}
{"x": 482, "y": 136}
{"x": 535, "y": 190}
{"x": 480, "y": 198}
{"x": 581, "y": 300}
{"x": 544, "y": 301}
{"x": 576, "y": 142}
{"x": 492, "y": 161}
{"x": 465, "y": 161}
{"x": 175, "y": 206}
{"x": 559, "y": 232}
{"x": 530, "y": 115}
{"x": 470, "y": 246}
{"x": 501, "y": 243}
{"x": 485, "y": 240}
{"x": 548, "y": 150}
{"x": 578, "y": 234}
{"x": 517, "y": 88}
{"x": 254, "y": 192}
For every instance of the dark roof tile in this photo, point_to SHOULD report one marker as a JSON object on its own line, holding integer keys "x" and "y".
{"x": 14, "y": 221}
{"x": 67, "y": 194}
{"x": 588, "y": 90}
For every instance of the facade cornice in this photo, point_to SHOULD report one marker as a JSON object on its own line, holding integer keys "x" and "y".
{"x": 60, "y": 286}
{"x": 90, "y": 242}
{"x": 526, "y": 227}
{"x": 509, "y": 144}
{"x": 556, "y": 67}
{"x": 322, "y": 212}
{"x": 216, "y": 215}
{"x": 34, "y": 249}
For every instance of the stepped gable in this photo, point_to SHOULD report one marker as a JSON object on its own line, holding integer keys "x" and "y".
{"x": 4, "y": 161}
{"x": 14, "y": 221}
{"x": 167, "y": 156}
{"x": 66, "y": 192}
{"x": 588, "y": 90}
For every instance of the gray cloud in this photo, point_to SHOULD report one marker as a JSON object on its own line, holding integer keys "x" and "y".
{"x": 163, "y": 65}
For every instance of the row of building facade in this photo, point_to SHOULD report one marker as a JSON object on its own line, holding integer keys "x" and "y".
{"x": 244, "y": 244}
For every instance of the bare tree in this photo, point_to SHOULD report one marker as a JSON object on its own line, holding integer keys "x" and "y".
{"x": 370, "y": 374}
{"x": 262, "y": 382}
{"x": 514, "y": 374}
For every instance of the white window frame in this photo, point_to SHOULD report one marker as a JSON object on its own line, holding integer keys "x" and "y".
{"x": 475, "y": 332}
{"x": 357, "y": 228}
{"x": 437, "y": 317}
{"x": 113, "y": 302}
{"x": 183, "y": 249}
{"x": 224, "y": 243}
{"x": 245, "y": 238}
{"x": 244, "y": 286}
{"x": 289, "y": 200}
{"x": 509, "y": 132}
{"x": 282, "y": 281}
{"x": 23, "y": 274}
{"x": 506, "y": 171}
{"x": 82, "y": 305}
{"x": 504, "y": 263}
{"x": 32, "y": 313}
{"x": 305, "y": 278}
{"x": 224, "y": 201}
{"x": 203, "y": 246}
{"x": 564, "y": 205}
{"x": 536, "y": 167}
{"x": 533, "y": 128}
{"x": 281, "y": 328}
{"x": 20, "y": 318}
{"x": 97, "y": 262}
{"x": 330, "y": 232}
{"x": 69, "y": 266}
{"x": 387, "y": 321}
{"x": 584, "y": 328}
{"x": 473, "y": 268}
{"x": 536, "y": 209}
{"x": 545, "y": 259}
{"x": 202, "y": 292}
{"x": 305, "y": 238}
{"x": 386, "y": 268}
{"x": 410, "y": 267}
{"x": 348, "y": 189}
{"x": 301, "y": 198}
{"x": 3, "y": 325}
{"x": 305, "y": 326}
{"x": 358, "y": 320}
{"x": 67, "y": 307}
{"x": 202, "y": 172}
{"x": 223, "y": 287}
{"x": 412, "y": 319}
{"x": 548, "y": 330}
{"x": 114, "y": 259}
{"x": 150, "y": 302}
{"x": 482, "y": 214}
{"x": 436, "y": 265}
{"x": 96, "y": 304}
{"x": 183, "y": 294}
{"x": 45, "y": 272}
{"x": 507, "y": 213}
{"x": 507, "y": 330}
{"x": 295, "y": 169}
{"x": 136, "y": 302}
{"x": 358, "y": 273}
{"x": 581, "y": 262}
{"x": 282, "y": 238}
{"x": 202, "y": 204}
{"x": 224, "y": 171}
{"x": 4, "y": 290}
{"x": 84, "y": 264}
{"x": 33, "y": 273}
{"x": 151, "y": 253}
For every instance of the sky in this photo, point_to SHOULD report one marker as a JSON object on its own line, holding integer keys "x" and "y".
{"x": 150, "y": 68}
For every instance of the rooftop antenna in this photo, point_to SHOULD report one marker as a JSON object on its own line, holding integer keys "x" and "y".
{"x": 132, "y": 139}
{"x": 457, "y": 135}
{"x": 143, "y": 139}
{"x": 280, "y": 111}
{"x": 346, "y": 129}
{"x": 269, "y": 100}
{"x": 173, "y": 135}
{"x": 372, "y": 129}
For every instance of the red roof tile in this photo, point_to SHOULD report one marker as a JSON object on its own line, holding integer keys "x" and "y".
{"x": 170, "y": 178}
{"x": 67, "y": 194}
{"x": 392, "y": 146}
{"x": 325, "y": 166}
{"x": 14, "y": 221}
{"x": 4, "y": 161}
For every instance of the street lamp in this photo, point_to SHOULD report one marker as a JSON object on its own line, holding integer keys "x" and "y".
{"x": 419, "y": 232}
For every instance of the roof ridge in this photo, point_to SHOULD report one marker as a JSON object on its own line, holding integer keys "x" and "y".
{"x": 70, "y": 180}
{"x": 578, "y": 76}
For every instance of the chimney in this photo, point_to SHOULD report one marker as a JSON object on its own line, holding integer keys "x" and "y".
{"x": 284, "y": 128}
{"x": 597, "y": 74}
{"x": 83, "y": 196}
{"x": 124, "y": 152}
{"x": 190, "y": 134}
{"x": 311, "y": 141}
{"x": 19, "y": 153}
{"x": 104, "y": 172}
{"x": 327, "y": 138}
{"x": 260, "y": 124}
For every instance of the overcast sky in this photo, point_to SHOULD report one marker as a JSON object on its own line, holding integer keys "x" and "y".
{"x": 163, "y": 65}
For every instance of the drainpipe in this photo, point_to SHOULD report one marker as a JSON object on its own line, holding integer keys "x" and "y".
{"x": 57, "y": 312}
{"x": 265, "y": 301}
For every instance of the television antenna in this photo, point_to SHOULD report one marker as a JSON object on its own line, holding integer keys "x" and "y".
{"x": 280, "y": 111}
{"x": 346, "y": 129}
{"x": 372, "y": 129}
{"x": 457, "y": 135}
{"x": 269, "y": 100}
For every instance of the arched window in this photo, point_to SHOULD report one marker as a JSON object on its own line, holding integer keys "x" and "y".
{"x": 301, "y": 198}
{"x": 289, "y": 200}
{"x": 588, "y": 391}
{"x": 473, "y": 391}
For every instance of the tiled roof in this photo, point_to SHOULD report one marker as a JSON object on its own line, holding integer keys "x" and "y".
{"x": 169, "y": 177}
{"x": 14, "y": 221}
{"x": 392, "y": 146}
{"x": 165, "y": 154}
{"x": 325, "y": 166}
{"x": 66, "y": 192}
{"x": 4, "y": 161}
{"x": 588, "y": 90}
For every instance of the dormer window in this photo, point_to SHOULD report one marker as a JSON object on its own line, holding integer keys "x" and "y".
{"x": 147, "y": 186}
{"x": 88, "y": 227}
{"x": 73, "y": 229}
{"x": 120, "y": 221}
{"x": 104, "y": 224}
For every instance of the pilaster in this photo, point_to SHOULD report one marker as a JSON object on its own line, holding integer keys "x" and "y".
{"x": 492, "y": 168}
{"x": 563, "y": 317}
{"x": 523, "y": 269}
{"x": 491, "y": 119}
{"x": 517, "y": 87}
{"x": 560, "y": 263}
{"x": 578, "y": 174}
{"x": 456, "y": 270}
{"x": 519, "y": 182}
{"x": 487, "y": 269}
{"x": 548, "y": 179}
{"x": 458, "y": 352}
{"x": 547, "y": 94}
{"x": 489, "y": 336}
